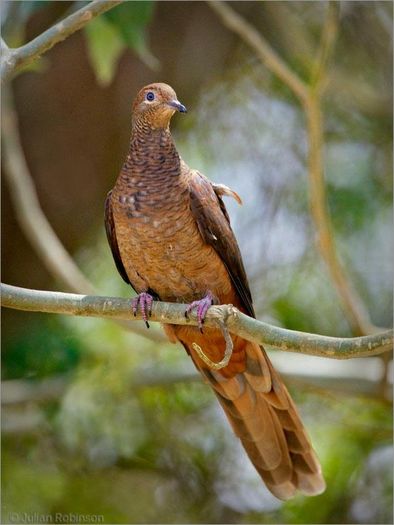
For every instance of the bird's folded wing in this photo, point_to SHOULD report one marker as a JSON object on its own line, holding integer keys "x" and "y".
{"x": 111, "y": 236}
{"x": 213, "y": 223}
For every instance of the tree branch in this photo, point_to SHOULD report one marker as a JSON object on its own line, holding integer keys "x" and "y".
{"x": 310, "y": 98}
{"x": 17, "y": 392}
{"x": 237, "y": 322}
{"x": 14, "y": 59}
{"x": 352, "y": 304}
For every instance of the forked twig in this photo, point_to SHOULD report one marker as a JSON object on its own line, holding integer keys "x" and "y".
{"x": 14, "y": 59}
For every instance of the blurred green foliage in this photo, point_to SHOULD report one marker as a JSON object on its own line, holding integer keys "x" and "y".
{"x": 131, "y": 19}
{"x": 105, "y": 47}
{"x": 171, "y": 476}
{"x": 27, "y": 351}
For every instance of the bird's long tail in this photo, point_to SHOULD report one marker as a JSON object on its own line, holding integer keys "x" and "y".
{"x": 264, "y": 417}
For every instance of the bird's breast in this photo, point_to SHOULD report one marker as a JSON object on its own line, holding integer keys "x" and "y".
{"x": 159, "y": 240}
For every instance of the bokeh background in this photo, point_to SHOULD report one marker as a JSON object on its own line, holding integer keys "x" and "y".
{"x": 97, "y": 420}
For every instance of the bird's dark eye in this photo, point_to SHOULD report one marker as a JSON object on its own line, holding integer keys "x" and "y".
{"x": 150, "y": 96}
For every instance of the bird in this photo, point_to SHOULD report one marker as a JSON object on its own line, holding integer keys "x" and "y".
{"x": 171, "y": 240}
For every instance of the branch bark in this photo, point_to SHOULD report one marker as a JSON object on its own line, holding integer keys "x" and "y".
{"x": 14, "y": 59}
{"x": 237, "y": 322}
{"x": 310, "y": 96}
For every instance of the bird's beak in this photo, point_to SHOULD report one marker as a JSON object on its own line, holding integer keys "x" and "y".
{"x": 178, "y": 106}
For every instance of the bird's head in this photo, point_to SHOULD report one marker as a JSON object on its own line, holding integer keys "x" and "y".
{"x": 156, "y": 104}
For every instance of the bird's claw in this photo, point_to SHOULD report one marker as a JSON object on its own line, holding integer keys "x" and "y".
{"x": 201, "y": 308}
{"x": 144, "y": 301}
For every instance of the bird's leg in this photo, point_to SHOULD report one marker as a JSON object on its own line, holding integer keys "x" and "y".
{"x": 202, "y": 307}
{"x": 144, "y": 300}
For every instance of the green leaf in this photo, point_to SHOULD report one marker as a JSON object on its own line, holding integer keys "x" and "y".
{"x": 105, "y": 46}
{"x": 131, "y": 20}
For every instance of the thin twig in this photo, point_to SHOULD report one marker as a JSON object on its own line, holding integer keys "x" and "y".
{"x": 3, "y": 46}
{"x": 33, "y": 221}
{"x": 257, "y": 42}
{"x": 14, "y": 59}
{"x": 228, "y": 352}
{"x": 352, "y": 304}
{"x": 327, "y": 41}
{"x": 237, "y": 322}
{"x": 15, "y": 391}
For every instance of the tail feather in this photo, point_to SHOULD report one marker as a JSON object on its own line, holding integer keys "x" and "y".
{"x": 305, "y": 463}
{"x": 278, "y": 396}
{"x": 282, "y": 474}
{"x": 311, "y": 484}
{"x": 257, "y": 373}
{"x": 286, "y": 420}
{"x": 241, "y": 409}
{"x": 282, "y": 491}
{"x": 264, "y": 417}
{"x": 231, "y": 388}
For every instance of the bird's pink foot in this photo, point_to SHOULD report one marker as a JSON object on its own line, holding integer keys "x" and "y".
{"x": 144, "y": 301}
{"x": 202, "y": 307}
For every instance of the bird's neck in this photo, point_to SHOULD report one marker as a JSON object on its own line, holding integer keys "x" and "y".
{"x": 152, "y": 151}
{"x": 143, "y": 130}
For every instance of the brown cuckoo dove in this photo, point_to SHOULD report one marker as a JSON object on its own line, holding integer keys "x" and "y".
{"x": 171, "y": 239}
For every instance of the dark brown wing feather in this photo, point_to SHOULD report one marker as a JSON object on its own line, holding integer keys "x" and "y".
{"x": 111, "y": 236}
{"x": 213, "y": 222}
